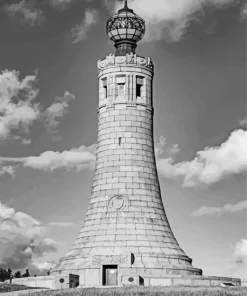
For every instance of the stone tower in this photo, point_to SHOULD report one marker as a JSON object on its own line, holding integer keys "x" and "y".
{"x": 126, "y": 232}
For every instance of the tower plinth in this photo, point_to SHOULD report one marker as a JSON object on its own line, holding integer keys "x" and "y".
{"x": 126, "y": 232}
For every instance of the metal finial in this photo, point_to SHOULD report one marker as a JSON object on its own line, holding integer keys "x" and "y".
{"x": 125, "y": 8}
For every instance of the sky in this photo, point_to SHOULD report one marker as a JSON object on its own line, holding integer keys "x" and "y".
{"x": 48, "y": 124}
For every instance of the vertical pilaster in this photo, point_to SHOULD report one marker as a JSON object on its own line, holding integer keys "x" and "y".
{"x": 100, "y": 86}
{"x": 150, "y": 90}
{"x": 131, "y": 87}
{"x": 108, "y": 87}
{"x": 146, "y": 90}
{"x": 127, "y": 80}
{"x": 114, "y": 87}
{"x": 134, "y": 88}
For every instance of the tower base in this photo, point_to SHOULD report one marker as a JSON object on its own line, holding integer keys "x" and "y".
{"x": 128, "y": 270}
{"x": 98, "y": 269}
{"x": 146, "y": 277}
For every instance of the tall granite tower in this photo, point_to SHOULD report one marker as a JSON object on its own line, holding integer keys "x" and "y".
{"x": 126, "y": 232}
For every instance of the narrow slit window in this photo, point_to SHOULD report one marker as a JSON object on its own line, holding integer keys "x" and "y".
{"x": 105, "y": 87}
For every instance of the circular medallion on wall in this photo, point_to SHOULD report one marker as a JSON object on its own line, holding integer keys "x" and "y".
{"x": 118, "y": 202}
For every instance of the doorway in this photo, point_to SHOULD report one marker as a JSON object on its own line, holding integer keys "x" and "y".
{"x": 110, "y": 275}
{"x": 74, "y": 280}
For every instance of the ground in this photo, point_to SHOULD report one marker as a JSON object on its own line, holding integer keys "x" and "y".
{"x": 4, "y": 288}
{"x": 142, "y": 291}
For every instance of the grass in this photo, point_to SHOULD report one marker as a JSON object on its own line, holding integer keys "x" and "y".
{"x": 13, "y": 287}
{"x": 147, "y": 291}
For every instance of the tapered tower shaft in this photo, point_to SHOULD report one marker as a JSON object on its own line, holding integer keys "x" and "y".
{"x": 126, "y": 225}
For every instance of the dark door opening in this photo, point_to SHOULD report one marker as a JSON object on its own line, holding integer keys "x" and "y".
{"x": 110, "y": 275}
{"x": 74, "y": 280}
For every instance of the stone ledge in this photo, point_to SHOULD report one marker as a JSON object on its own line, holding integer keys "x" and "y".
{"x": 207, "y": 281}
{"x": 155, "y": 280}
{"x": 125, "y": 105}
{"x": 130, "y": 61}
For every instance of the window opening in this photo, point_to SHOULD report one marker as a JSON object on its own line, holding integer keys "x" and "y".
{"x": 105, "y": 91}
{"x": 121, "y": 89}
{"x": 139, "y": 84}
{"x": 105, "y": 87}
{"x": 138, "y": 90}
{"x": 121, "y": 80}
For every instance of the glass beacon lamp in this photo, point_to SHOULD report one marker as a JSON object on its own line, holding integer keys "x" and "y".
{"x": 125, "y": 28}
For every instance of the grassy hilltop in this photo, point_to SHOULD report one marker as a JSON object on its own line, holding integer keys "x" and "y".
{"x": 4, "y": 288}
{"x": 149, "y": 291}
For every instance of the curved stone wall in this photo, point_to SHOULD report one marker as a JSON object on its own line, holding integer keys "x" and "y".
{"x": 126, "y": 216}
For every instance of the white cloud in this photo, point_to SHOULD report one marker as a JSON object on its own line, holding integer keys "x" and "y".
{"x": 238, "y": 266}
{"x": 26, "y": 141}
{"x": 27, "y": 11}
{"x": 228, "y": 208}
{"x": 17, "y": 102}
{"x": 210, "y": 165}
{"x": 25, "y": 242}
{"x": 161, "y": 148}
{"x": 24, "y": 238}
{"x": 80, "y": 31}
{"x": 56, "y": 111}
{"x": 244, "y": 11}
{"x": 19, "y": 110}
{"x": 243, "y": 122}
{"x": 172, "y": 16}
{"x": 6, "y": 212}
{"x": 47, "y": 265}
{"x": 61, "y": 4}
{"x": 7, "y": 170}
{"x": 60, "y": 224}
{"x": 76, "y": 158}
{"x": 241, "y": 248}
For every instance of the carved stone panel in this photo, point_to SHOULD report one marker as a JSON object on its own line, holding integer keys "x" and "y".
{"x": 122, "y": 259}
{"x": 129, "y": 59}
{"x": 110, "y": 60}
{"x": 142, "y": 61}
{"x": 120, "y": 60}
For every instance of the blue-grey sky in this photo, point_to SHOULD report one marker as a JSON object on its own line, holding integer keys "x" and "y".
{"x": 48, "y": 124}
